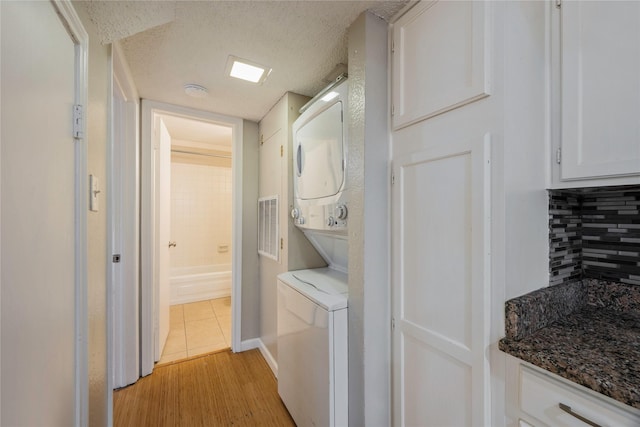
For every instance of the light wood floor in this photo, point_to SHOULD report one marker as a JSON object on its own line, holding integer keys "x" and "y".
{"x": 220, "y": 389}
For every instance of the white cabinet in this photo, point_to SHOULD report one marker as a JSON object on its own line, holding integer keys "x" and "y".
{"x": 597, "y": 90}
{"x": 547, "y": 401}
{"x": 440, "y": 59}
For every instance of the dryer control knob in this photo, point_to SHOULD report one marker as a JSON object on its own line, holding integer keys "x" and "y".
{"x": 331, "y": 221}
{"x": 341, "y": 211}
{"x": 295, "y": 213}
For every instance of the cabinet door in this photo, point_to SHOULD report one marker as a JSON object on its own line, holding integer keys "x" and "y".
{"x": 440, "y": 59}
{"x": 600, "y": 67}
{"x": 441, "y": 283}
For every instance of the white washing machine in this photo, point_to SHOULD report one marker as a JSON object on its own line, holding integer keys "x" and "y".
{"x": 313, "y": 346}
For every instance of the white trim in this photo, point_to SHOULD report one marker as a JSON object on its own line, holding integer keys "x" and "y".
{"x": 110, "y": 230}
{"x": 257, "y": 343}
{"x": 72, "y": 22}
{"x": 0, "y": 227}
{"x": 147, "y": 224}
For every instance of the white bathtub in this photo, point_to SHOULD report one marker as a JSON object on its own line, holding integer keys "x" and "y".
{"x": 191, "y": 284}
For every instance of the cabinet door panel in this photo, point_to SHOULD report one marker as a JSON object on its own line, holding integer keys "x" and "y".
{"x": 600, "y": 89}
{"x": 440, "y": 59}
{"x": 441, "y": 285}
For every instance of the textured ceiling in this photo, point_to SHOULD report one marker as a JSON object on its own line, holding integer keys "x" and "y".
{"x": 169, "y": 44}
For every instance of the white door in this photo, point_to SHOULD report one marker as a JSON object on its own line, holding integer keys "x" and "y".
{"x": 124, "y": 235}
{"x": 38, "y": 233}
{"x": 440, "y": 244}
{"x": 164, "y": 235}
{"x": 600, "y": 88}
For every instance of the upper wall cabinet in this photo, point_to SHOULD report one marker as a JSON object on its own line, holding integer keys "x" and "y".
{"x": 440, "y": 59}
{"x": 599, "y": 77}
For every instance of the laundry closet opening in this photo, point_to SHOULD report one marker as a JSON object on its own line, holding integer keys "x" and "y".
{"x": 199, "y": 186}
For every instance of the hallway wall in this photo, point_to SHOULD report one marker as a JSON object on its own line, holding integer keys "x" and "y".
{"x": 97, "y": 134}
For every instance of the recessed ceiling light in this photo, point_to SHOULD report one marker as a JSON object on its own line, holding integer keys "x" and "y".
{"x": 247, "y": 70}
{"x": 196, "y": 91}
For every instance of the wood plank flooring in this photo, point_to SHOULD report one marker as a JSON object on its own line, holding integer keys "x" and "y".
{"x": 220, "y": 389}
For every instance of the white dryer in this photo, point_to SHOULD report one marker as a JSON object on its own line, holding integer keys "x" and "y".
{"x": 312, "y": 346}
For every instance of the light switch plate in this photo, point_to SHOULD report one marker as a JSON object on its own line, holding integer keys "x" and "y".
{"x": 93, "y": 193}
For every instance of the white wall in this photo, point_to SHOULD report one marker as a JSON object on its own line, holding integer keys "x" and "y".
{"x": 38, "y": 336}
{"x": 97, "y": 133}
{"x": 250, "y": 281}
{"x": 200, "y": 214}
{"x": 367, "y": 168}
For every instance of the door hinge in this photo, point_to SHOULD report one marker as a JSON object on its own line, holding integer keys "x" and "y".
{"x": 393, "y": 179}
{"x": 393, "y": 323}
{"x": 281, "y": 243}
{"x": 558, "y": 3}
{"x": 78, "y": 119}
{"x": 282, "y": 151}
{"x": 393, "y": 109}
{"x": 261, "y": 139}
{"x": 116, "y": 258}
{"x": 559, "y": 155}
{"x": 393, "y": 46}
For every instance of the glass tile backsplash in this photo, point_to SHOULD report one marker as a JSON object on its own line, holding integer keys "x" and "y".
{"x": 594, "y": 233}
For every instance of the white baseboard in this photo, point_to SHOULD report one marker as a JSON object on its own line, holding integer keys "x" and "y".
{"x": 257, "y": 343}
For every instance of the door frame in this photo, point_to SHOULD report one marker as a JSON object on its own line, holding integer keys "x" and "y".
{"x": 148, "y": 241}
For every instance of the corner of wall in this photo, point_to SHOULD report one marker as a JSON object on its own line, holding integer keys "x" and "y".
{"x": 367, "y": 168}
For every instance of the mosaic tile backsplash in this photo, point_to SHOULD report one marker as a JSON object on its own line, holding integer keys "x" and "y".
{"x": 594, "y": 233}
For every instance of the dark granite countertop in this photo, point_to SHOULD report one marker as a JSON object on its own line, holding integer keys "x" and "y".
{"x": 596, "y": 347}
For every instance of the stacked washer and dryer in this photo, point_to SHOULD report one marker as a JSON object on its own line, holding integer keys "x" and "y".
{"x": 312, "y": 304}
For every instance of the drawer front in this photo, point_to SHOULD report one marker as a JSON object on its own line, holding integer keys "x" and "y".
{"x": 541, "y": 397}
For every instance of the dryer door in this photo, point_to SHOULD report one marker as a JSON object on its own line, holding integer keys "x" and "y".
{"x": 318, "y": 161}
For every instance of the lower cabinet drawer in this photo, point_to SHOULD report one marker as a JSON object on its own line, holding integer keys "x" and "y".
{"x": 555, "y": 404}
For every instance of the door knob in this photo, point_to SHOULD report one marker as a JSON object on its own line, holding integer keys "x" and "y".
{"x": 172, "y": 244}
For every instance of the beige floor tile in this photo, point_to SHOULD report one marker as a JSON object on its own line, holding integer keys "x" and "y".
{"x": 221, "y": 305}
{"x": 201, "y": 333}
{"x": 225, "y": 326}
{"x": 198, "y": 328}
{"x": 176, "y": 341}
{"x": 198, "y": 311}
{"x": 173, "y": 357}
{"x": 176, "y": 315}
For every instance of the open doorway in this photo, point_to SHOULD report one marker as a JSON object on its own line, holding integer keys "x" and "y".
{"x": 177, "y": 270}
{"x": 200, "y": 237}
